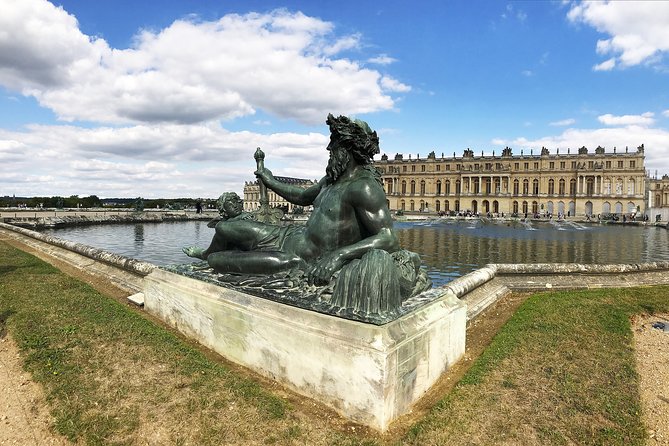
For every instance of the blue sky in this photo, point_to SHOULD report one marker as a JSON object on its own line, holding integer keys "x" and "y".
{"x": 170, "y": 98}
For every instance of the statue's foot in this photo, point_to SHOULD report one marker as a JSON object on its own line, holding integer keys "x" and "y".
{"x": 193, "y": 251}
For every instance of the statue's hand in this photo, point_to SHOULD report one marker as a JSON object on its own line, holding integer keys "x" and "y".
{"x": 264, "y": 174}
{"x": 325, "y": 267}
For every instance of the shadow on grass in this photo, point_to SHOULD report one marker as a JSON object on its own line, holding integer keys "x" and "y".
{"x": 3, "y": 319}
{"x": 5, "y": 269}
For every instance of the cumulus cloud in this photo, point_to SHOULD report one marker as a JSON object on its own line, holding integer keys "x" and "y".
{"x": 286, "y": 64}
{"x": 644, "y": 119}
{"x": 655, "y": 140}
{"x": 638, "y": 30}
{"x": 563, "y": 122}
{"x": 665, "y": 113}
{"x": 130, "y": 161}
{"x": 382, "y": 59}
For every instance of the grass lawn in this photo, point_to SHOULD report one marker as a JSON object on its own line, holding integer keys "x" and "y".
{"x": 561, "y": 371}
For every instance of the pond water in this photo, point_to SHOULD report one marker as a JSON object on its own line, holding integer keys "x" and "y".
{"x": 448, "y": 248}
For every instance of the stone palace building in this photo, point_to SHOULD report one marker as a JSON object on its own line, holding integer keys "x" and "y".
{"x": 252, "y": 194}
{"x": 581, "y": 183}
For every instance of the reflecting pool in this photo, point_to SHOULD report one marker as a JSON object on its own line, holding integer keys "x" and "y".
{"x": 448, "y": 248}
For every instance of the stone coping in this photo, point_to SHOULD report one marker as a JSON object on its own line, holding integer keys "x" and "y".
{"x": 469, "y": 282}
{"x": 125, "y": 263}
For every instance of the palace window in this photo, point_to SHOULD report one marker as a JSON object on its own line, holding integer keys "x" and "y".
{"x": 551, "y": 186}
{"x": 422, "y": 187}
{"x": 535, "y": 187}
{"x": 404, "y": 168}
{"x": 413, "y": 168}
{"x": 516, "y": 166}
{"x": 438, "y": 167}
{"x": 551, "y": 165}
{"x": 561, "y": 186}
{"x": 526, "y": 166}
{"x": 608, "y": 164}
{"x": 526, "y": 186}
{"x": 515, "y": 187}
{"x": 562, "y": 165}
{"x": 632, "y": 164}
{"x": 422, "y": 168}
{"x": 620, "y": 164}
{"x": 413, "y": 188}
{"x": 536, "y": 166}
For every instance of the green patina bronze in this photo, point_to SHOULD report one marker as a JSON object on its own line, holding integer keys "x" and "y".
{"x": 346, "y": 259}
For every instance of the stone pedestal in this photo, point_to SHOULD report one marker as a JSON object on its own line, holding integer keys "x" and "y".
{"x": 370, "y": 374}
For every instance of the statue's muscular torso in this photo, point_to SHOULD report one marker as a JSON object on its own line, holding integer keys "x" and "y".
{"x": 334, "y": 222}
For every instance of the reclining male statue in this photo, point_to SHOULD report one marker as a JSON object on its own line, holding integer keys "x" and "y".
{"x": 350, "y": 221}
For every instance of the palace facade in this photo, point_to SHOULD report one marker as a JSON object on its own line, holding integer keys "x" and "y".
{"x": 252, "y": 194}
{"x": 658, "y": 198}
{"x": 580, "y": 183}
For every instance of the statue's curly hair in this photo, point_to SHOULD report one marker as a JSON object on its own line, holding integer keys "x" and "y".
{"x": 225, "y": 196}
{"x": 355, "y": 136}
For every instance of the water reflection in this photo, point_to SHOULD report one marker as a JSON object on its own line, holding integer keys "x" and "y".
{"x": 448, "y": 249}
{"x": 451, "y": 249}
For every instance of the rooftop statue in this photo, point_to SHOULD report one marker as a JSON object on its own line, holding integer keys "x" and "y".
{"x": 347, "y": 252}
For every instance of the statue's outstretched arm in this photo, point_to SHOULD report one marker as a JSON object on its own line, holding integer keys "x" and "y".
{"x": 294, "y": 194}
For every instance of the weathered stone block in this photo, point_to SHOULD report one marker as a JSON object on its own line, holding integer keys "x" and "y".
{"x": 368, "y": 373}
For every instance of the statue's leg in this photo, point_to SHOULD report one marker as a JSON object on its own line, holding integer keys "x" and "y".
{"x": 253, "y": 262}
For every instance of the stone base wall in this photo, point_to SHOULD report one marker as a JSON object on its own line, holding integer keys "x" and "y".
{"x": 368, "y": 373}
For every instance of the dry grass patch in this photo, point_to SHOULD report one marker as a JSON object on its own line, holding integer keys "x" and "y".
{"x": 560, "y": 371}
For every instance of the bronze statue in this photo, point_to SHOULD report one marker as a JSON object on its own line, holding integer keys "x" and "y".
{"x": 350, "y": 225}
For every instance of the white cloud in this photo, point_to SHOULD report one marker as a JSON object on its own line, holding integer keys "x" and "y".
{"x": 644, "y": 119}
{"x": 390, "y": 84}
{"x": 382, "y": 59}
{"x": 638, "y": 30}
{"x": 607, "y": 65}
{"x": 527, "y": 73}
{"x": 665, "y": 113}
{"x": 284, "y": 63}
{"x": 655, "y": 140}
{"x": 149, "y": 160}
{"x": 563, "y": 122}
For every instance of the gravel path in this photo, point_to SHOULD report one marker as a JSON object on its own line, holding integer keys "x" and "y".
{"x": 651, "y": 346}
{"x": 24, "y": 414}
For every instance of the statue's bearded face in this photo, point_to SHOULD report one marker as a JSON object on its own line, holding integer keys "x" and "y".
{"x": 339, "y": 159}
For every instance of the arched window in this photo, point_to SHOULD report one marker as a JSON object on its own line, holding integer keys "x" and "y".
{"x": 413, "y": 188}
{"x": 572, "y": 186}
{"x": 606, "y": 208}
{"x": 561, "y": 187}
{"x": 404, "y": 187}
{"x": 551, "y": 187}
{"x": 526, "y": 187}
{"x": 437, "y": 206}
{"x": 412, "y": 206}
{"x": 515, "y": 207}
{"x": 438, "y": 187}
{"x": 535, "y": 187}
{"x": 422, "y": 187}
{"x": 535, "y": 207}
{"x": 448, "y": 188}
{"x": 515, "y": 187}
{"x": 403, "y": 205}
{"x": 525, "y": 207}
